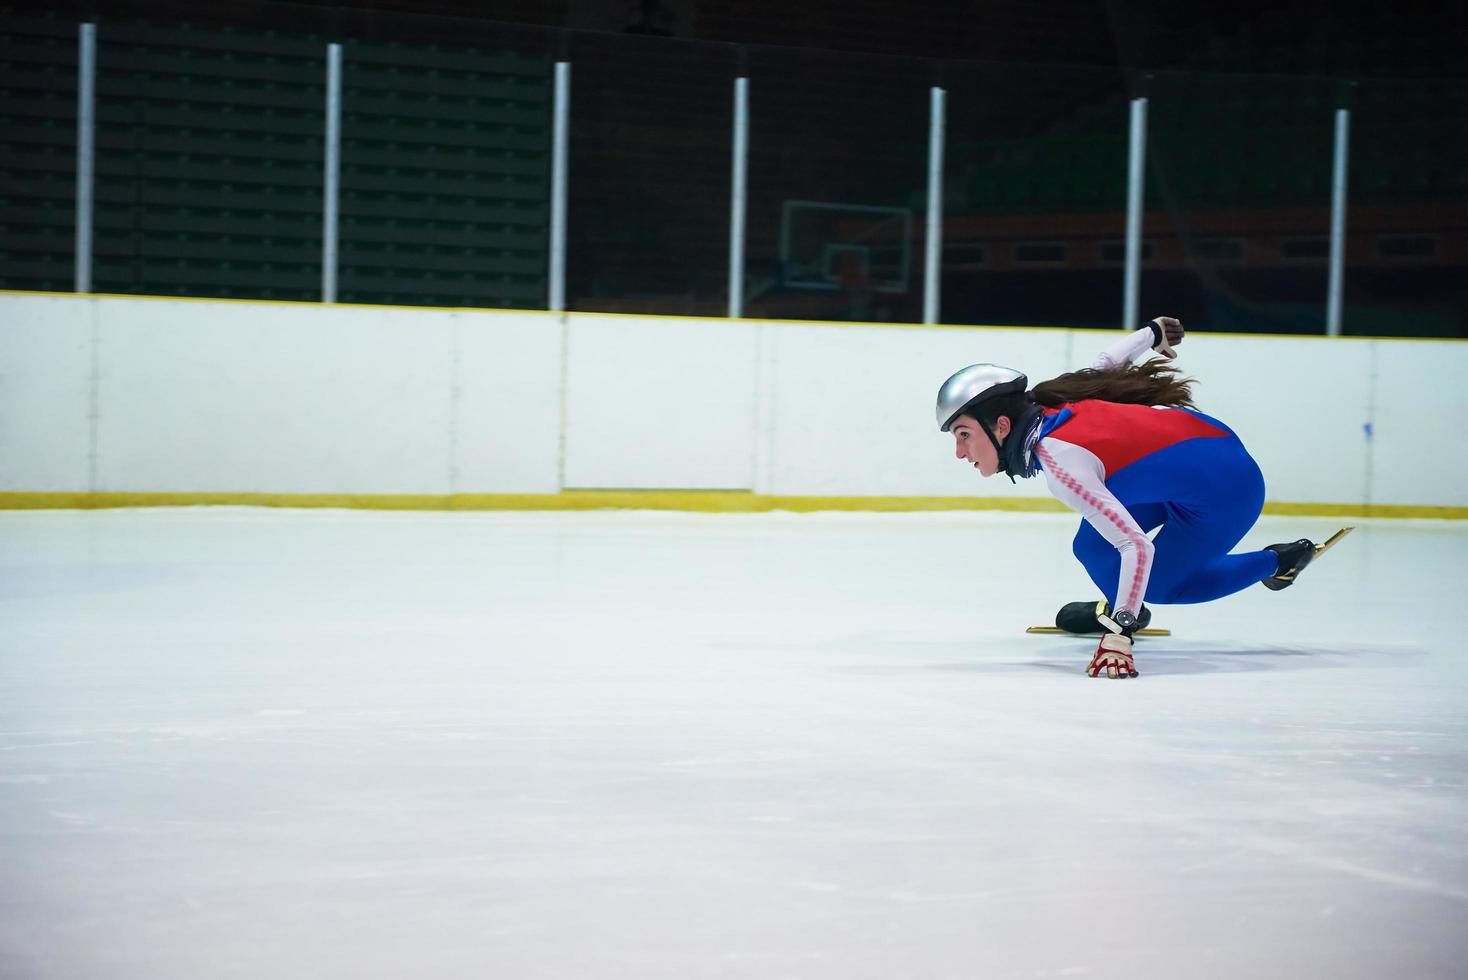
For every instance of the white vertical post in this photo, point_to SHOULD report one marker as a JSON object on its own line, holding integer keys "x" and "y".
{"x": 86, "y": 128}
{"x": 1338, "y": 224}
{"x": 1136, "y": 168}
{"x": 738, "y": 197}
{"x": 332, "y": 173}
{"x": 933, "y": 246}
{"x": 559, "y": 134}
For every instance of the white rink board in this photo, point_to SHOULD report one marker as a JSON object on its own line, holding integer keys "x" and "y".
{"x": 47, "y": 361}
{"x": 203, "y": 396}
{"x": 303, "y": 400}
{"x": 507, "y": 403}
{"x": 659, "y": 403}
{"x": 853, "y": 408}
{"x": 135, "y": 394}
{"x": 1420, "y": 400}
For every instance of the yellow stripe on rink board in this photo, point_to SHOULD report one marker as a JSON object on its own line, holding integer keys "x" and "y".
{"x": 1405, "y": 511}
{"x": 707, "y": 501}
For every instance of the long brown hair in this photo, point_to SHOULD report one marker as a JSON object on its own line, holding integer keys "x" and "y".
{"x": 1150, "y": 383}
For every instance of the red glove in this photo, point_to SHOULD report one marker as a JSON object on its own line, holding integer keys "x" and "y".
{"x": 1167, "y": 332}
{"x": 1114, "y": 656}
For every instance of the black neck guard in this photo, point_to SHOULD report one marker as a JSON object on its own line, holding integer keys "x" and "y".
{"x": 1016, "y": 457}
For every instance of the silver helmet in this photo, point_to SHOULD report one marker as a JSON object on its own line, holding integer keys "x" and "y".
{"x": 975, "y": 384}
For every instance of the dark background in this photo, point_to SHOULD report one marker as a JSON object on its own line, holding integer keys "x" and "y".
{"x": 1316, "y": 37}
{"x": 209, "y": 155}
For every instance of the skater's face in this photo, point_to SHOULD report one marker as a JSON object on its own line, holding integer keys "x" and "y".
{"x": 971, "y": 445}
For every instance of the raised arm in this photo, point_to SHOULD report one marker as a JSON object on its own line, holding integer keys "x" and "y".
{"x": 1159, "y": 334}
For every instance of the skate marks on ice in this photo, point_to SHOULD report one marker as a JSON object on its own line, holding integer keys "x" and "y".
{"x": 889, "y": 653}
{"x": 1196, "y": 657}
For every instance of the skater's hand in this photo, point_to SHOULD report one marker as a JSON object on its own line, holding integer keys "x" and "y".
{"x": 1167, "y": 333}
{"x": 1114, "y": 656}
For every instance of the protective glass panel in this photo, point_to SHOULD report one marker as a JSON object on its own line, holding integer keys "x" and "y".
{"x": 1407, "y": 228}
{"x": 651, "y": 122}
{"x": 445, "y": 163}
{"x": 1238, "y": 201}
{"x": 1035, "y": 199}
{"x": 837, "y": 185}
{"x": 210, "y": 152}
{"x": 208, "y": 162}
{"x": 38, "y": 150}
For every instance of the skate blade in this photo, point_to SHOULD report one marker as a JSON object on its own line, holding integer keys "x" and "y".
{"x": 1057, "y": 631}
{"x": 1322, "y": 549}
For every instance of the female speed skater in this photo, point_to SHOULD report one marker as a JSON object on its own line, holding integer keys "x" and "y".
{"x": 1122, "y": 444}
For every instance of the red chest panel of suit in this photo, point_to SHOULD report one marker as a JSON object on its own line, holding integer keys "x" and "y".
{"x": 1120, "y": 435}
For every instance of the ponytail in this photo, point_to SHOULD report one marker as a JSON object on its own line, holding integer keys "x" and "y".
{"x": 1151, "y": 383}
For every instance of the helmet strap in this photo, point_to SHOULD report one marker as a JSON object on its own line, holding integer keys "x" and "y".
{"x": 998, "y": 449}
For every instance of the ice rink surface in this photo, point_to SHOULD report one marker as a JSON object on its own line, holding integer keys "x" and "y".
{"x": 329, "y": 744}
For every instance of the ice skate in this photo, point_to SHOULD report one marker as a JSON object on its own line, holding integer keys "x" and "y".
{"x": 1295, "y": 556}
{"x": 1083, "y": 618}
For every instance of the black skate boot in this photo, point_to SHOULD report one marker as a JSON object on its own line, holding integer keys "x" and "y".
{"x": 1293, "y": 558}
{"x": 1080, "y": 617}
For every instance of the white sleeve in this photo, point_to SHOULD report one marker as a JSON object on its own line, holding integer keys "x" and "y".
{"x": 1124, "y": 351}
{"x": 1077, "y": 478}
